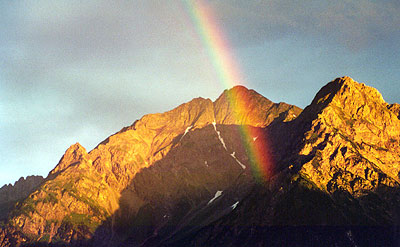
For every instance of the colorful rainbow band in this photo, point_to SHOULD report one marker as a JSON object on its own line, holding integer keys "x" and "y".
{"x": 229, "y": 75}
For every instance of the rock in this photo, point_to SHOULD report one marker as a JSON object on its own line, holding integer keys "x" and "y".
{"x": 154, "y": 183}
{"x": 10, "y": 194}
{"x": 72, "y": 156}
{"x": 338, "y": 175}
{"x": 85, "y": 189}
{"x": 395, "y": 108}
{"x": 350, "y": 141}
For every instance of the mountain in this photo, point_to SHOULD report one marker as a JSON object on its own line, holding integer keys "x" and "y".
{"x": 339, "y": 178}
{"x": 124, "y": 178}
{"x": 10, "y": 194}
{"x": 190, "y": 177}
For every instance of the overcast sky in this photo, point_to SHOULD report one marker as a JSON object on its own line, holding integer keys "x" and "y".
{"x": 78, "y": 71}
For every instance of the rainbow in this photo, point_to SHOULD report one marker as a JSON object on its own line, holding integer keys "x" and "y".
{"x": 230, "y": 75}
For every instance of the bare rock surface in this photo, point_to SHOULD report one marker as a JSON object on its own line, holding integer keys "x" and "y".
{"x": 187, "y": 177}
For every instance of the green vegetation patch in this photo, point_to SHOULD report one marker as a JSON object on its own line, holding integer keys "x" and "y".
{"x": 26, "y": 207}
{"x": 69, "y": 188}
{"x": 96, "y": 208}
{"x": 45, "y": 238}
{"x": 304, "y": 182}
{"x": 75, "y": 220}
{"x": 51, "y": 197}
{"x": 312, "y": 138}
{"x": 376, "y": 147}
{"x": 352, "y": 143}
{"x": 317, "y": 159}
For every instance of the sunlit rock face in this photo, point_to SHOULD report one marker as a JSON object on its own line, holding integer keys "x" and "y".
{"x": 246, "y": 107}
{"x": 164, "y": 165}
{"x": 186, "y": 177}
{"x": 339, "y": 179}
{"x": 354, "y": 140}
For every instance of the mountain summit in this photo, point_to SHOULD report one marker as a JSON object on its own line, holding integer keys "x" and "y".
{"x": 354, "y": 135}
{"x": 186, "y": 177}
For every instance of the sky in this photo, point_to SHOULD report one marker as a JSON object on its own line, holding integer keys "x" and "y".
{"x": 78, "y": 71}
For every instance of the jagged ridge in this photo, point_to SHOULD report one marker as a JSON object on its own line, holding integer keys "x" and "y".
{"x": 176, "y": 178}
{"x": 10, "y": 194}
{"x": 339, "y": 167}
{"x": 85, "y": 189}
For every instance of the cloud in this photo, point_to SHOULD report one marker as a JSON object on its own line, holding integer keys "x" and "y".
{"x": 353, "y": 23}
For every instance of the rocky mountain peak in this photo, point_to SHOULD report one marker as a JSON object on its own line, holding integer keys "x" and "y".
{"x": 344, "y": 102}
{"x": 73, "y": 155}
{"x": 351, "y": 138}
{"x": 239, "y": 89}
{"x": 345, "y": 93}
{"x": 87, "y": 188}
{"x": 185, "y": 176}
{"x": 243, "y": 106}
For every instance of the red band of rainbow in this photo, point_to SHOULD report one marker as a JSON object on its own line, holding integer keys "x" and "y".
{"x": 230, "y": 75}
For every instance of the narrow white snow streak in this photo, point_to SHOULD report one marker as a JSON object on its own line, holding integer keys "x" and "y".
{"x": 234, "y": 205}
{"x": 350, "y": 237}
{"x": 255, "y": 138}
{"x": 186, "y": 131}
{"x": 219, "y": 135}
{"x": 217, "y": 194}
{"x": 221, "y": 140}
{"x": 240, "y": 163}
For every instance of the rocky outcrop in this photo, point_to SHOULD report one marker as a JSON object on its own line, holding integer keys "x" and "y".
{"x": 115, "y": 181}
{"x": 395, "y": 108}
{"x": 72, "y": 156}
{"x": 338, "y": 183}
{"x": 353, "y": 141}
{"x": 10, "y": 194}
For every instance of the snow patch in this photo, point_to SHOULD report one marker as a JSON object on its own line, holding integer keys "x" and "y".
{"x": 255, "y": 138}
{"x": 221, "y": 140}
{"x": 350, "y": 237}
{"x": 240, "y": 163}
{"x": 206, "y": 163}
{"x": 217, "y": 194}
{"x": 234, "y": 205}
{"x": 219, "y": 135}
{"x": 186, "y": 131}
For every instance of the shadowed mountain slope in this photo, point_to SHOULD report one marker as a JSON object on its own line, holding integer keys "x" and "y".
{"x": 339, "y": 179}
{"x": 185, "y": 178}
{"x": 88, "y": 190}
{"x": 10, "y": 194}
